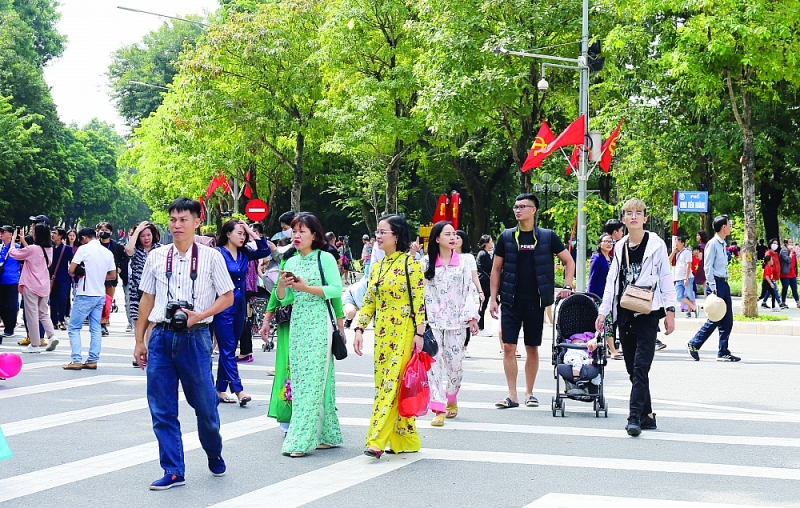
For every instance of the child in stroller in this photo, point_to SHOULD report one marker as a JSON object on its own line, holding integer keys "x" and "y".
{"x": 578, "y": 368}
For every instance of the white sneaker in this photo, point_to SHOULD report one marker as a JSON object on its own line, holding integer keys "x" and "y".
{"x": 31, "y": 349}
{"x": 485, "y": 333}
{"x": 466, "y": 354}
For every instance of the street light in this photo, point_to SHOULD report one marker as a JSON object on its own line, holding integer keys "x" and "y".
{"x": 199, "y": 23}
{"x": 582, "y": 64}
{"x": 546, "y": 188}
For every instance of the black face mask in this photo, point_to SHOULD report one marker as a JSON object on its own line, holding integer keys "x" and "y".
{"x": 105, "y": 235}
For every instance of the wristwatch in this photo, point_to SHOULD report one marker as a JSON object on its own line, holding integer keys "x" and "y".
{"x": 671, "y": 309}
{"x": 567, "y": 286}
{"x": 358, "y": 328}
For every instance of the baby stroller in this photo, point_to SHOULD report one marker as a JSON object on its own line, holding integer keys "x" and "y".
{"x": 577, "y": 314}
{"x": 259, "y": 305}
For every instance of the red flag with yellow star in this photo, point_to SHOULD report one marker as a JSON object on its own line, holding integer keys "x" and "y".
{"x": 574, "y": 159}
{"x": 535, "y": 156}
{"x": 609, "y": 147}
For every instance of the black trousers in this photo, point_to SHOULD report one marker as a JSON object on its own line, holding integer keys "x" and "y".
{"x": 484, "y": 305}
{"x": 638, "y": 338}
{"x": 9, "y": 306}
{"x": 246, "y": 337}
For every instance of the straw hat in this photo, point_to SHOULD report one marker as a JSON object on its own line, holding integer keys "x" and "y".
{"x": 715, "y": 307}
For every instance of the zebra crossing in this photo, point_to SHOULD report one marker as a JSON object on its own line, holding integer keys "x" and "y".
{"x": 84, "y": 436}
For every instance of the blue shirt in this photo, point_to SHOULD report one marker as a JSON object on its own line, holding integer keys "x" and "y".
{"x": 598, "y": 271}
{"x": 12, "y": 267}
{"x": 62, "y": 270}
{"x": 716, "y": 261}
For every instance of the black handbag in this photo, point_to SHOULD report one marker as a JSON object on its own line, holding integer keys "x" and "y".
{"x": 283, "y": 314}
{"x": 429, "y": 344}
{"x": 338, "y": 348}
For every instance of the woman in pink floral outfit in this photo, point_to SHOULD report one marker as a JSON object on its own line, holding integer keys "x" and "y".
{"x": 451, "y": 308}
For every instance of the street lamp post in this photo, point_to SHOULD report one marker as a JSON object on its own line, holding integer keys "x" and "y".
{"x": 582, "y": 65}
{"x": 546, "y": 187}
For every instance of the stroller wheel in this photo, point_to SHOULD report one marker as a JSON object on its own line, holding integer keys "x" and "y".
{"x": 554, "y": 406}
{"x": 563, "y": 405}
{"x": 264, "y": 347}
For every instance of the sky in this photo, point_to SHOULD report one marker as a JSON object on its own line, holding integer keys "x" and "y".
{"x": 94, "y": 30}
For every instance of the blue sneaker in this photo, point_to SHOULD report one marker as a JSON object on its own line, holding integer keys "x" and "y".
{"x": 167, "y": 482}
{"x": 217, "y": 466}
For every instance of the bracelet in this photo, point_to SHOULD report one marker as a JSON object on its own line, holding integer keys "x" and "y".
{"x": 358, "y": 329}
{"x": 416, "y": 334}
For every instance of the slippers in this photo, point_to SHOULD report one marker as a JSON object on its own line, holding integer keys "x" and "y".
{"x": 244, "y": 400}
{"x": 506, "y": 404}
{"x": 227, "y": 400}
{"x": 618, "y": 357}
{"x": 532, "y": 402}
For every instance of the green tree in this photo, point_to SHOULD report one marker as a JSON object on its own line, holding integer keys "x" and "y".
{"x": 152, "y": 62}
{"x": 738, "y": 49}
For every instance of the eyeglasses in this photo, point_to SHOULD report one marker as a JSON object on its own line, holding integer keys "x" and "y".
{"x": 383, "y": 232}
{"x": 607, "y": 241}
{"x": 634, "y": 213}
{"x": 521, "y": 207}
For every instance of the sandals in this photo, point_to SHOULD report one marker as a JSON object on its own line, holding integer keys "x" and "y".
{"x": 244, "y": 400}
{"x": 452, "y": 410}
{"x": 531, "y": 402}
{"x": 438, "y": 420}
{"x": 371, "y": 452}
{"x": 506, "y": 404}
{"x": 227, "y": 400}
{"x": 323, "y": 446}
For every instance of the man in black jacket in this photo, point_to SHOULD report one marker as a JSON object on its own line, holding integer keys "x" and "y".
{"x": 523, "y": 282}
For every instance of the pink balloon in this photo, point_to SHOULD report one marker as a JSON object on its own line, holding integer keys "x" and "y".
{"x": 10, "y": 364}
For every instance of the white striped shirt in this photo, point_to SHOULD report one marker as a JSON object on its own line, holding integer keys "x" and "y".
{"x": 212, "y": 279}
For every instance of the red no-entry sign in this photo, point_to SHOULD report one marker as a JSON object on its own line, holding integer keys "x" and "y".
{"x": 256, "y": 210}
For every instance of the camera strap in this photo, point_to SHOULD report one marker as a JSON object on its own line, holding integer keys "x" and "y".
{"x": 192, "y": 269}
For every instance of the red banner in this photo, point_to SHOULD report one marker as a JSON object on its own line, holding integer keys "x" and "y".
{"x": 455, "y": 208}
{"x": 535, "y": 157}
{"x": 609, "y": 147}
{"x": 442, "y": 209}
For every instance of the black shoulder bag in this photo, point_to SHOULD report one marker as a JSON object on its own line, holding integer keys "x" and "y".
{"x": 429, "y": 344}
{"x": 338, "y": 348}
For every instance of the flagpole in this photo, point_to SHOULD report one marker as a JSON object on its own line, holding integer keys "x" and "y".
{"x": 583, "y": 176}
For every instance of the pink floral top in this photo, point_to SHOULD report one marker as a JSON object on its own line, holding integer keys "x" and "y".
{"x": 35, "y": 276}
{"x": 449, "y": 298}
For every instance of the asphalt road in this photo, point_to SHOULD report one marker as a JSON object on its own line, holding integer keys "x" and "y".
{"x": 727, "y": 436}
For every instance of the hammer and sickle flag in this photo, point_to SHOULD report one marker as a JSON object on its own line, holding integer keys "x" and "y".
{"x": 609, "y": 147}
{"x": 535, "y": 156}
{"x": 442, "y": 209}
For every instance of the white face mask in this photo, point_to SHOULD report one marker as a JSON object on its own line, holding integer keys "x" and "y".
{"x": 774, "y": 246}
{"x": 287, "y": 232}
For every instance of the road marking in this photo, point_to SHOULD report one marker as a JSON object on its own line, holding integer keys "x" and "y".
{"x": 48, "y": 478}
{"x": 555, "y": 500}
{"x": 63, "y": 385}
{"x": 693, "y": 468}
{"x": 321, "y": 482}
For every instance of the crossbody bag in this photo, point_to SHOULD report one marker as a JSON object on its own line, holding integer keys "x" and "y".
{"x": 429, "y": 344}
{"x": 636, "y": 299}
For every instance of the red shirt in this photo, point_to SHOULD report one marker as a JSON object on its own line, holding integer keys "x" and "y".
{"x": 768, "y": 273}
{"x": 793, "y": 265}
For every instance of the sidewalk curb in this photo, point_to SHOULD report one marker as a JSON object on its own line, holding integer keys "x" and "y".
{"x": 790, "y": 327}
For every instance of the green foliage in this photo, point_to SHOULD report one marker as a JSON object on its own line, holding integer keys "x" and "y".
{"x": 152, "y": 62}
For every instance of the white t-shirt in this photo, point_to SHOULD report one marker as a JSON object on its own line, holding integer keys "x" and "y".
{"x": 98, "y": 261}
{"x": 682, "y": 259}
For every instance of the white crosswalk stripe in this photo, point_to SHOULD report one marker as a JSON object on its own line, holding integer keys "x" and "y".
{"x": 747, "y": 444}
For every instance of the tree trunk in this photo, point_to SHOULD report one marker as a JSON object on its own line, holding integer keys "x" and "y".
{"x": 297, "y": 184}
{"x": 749, "y": 290}
{"x": 392, "y": 178}
{"x": 606, "y": 184}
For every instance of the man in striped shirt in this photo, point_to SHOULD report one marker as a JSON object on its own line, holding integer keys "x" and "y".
{"x": 192, "y": 274}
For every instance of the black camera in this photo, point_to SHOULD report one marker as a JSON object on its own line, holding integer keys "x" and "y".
{"x": 174, "y": 313}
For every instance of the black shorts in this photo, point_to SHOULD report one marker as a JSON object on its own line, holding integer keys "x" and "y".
{"x": 111, "y": 283}
{"x": 524, "y": 314}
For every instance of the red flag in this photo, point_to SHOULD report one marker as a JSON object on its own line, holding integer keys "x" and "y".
{"x": 224, "y": 182}
{"x": 442, "y": 209}
{"x": 609, "y": 147}
{"x": 212, "y": 186}
{"x": 544, "y": 137}
{"x": 574, "y": 160}
{"x": 455, "y": 206}
{"x": 248, "y": 190}
{"x": 202, "y": 207}
{"x": 575, "y": 134}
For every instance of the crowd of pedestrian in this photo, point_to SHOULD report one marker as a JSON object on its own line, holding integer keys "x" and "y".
{"x": 204, "y": 296}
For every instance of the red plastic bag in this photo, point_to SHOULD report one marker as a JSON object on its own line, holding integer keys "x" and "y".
{"x": 107, "y": 308}
{"x": 415, "y": 393}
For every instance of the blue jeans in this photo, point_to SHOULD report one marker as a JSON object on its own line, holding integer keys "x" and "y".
{"x": 83, "y": 307}
{"x": 58, "y": 299}
{"x": 773, "y": 292}
{"x": 684, "y": 291}
{"x": 725, "y": 324}
{"x": 786, "y": 283}
{"x": 184, "y": 357}
{"x": 227, "y": 327}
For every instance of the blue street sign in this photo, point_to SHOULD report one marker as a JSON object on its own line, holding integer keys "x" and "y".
{"x": 693, "y": 201}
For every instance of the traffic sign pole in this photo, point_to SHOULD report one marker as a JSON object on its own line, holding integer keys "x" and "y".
{"x": 674, "y": 218}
